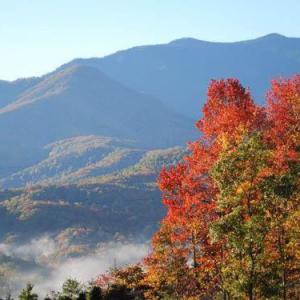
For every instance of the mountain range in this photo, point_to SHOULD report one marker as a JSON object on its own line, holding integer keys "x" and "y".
{"x": 82, "y": 101}
{"x": 178, "y": 72}
{"x": 148, "y": 95}
{"x": 81, "y": 146}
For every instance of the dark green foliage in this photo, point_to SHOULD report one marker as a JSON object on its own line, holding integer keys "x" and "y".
{"x": 27, "y": 293}
{"x": 72, "y": 290}
{"x": 82, "y": 296}
{"x": 119, "y": 292}
{"x": 95, "y": 293}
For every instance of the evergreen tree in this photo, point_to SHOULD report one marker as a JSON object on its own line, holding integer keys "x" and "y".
{"x": 71, "y": 289}
{"x": 27, "y": 293}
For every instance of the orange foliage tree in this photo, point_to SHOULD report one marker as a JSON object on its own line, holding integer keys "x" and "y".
{"x": 231, "y": 228}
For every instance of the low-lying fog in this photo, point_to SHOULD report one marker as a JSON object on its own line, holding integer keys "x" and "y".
{"x": 47, "y": 278}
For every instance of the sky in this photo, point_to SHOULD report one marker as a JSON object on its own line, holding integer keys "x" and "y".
{"x": 39, "y": 35}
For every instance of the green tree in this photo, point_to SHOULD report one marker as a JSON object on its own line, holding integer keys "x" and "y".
{"x": 71, "y": 289}
{"x": 283, "y": 241}
{"x": 27, "y": 293}
{"x": 243, "y": 224}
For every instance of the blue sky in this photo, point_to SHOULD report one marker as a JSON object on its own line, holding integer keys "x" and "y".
{"x": 39, "y": 35}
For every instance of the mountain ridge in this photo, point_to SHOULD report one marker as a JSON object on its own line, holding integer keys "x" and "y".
{"x": 178, "y": 72}
{"x": 81, "y": 146}
{"x": 136, "y": 94}
{"x": 80, "y": 101}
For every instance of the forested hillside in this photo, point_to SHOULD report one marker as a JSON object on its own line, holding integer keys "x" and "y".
{"x": 231, "y": 230}
{"x": 82, "y": 147}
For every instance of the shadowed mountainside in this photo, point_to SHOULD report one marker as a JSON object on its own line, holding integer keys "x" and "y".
{"x": 178, "y": 73}
{"x": 79, "y": 101}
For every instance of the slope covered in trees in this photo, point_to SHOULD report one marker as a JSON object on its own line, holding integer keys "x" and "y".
{"x": 121, "y": 202}
{"x": 233, "y": 207}
{"x": 81, "y": 101}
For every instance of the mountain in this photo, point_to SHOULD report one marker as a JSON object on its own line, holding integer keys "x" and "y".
{"x": 121, "y": 202}
{"x": 81, "y": 147}
{"x": 140, "y": 94}
{"x": 79, "y": 101}
{"x": 74, "y": 159}
{"x": 178, "y": 73}
{"x": 90, "y": 199}
{"x": 9, "y": 91}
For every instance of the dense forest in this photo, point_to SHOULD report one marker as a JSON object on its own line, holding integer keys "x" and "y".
{"x": 232, "y": 227}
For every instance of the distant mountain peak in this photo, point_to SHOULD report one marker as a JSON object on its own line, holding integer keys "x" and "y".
{"x": 186, "y": 41}
{"x": 55, "y": 83}
{"x": 273, "y": 36}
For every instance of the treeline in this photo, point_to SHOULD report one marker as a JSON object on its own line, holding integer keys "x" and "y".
{"x": 126, "y": 283}
{"x": 232, "y": 228}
